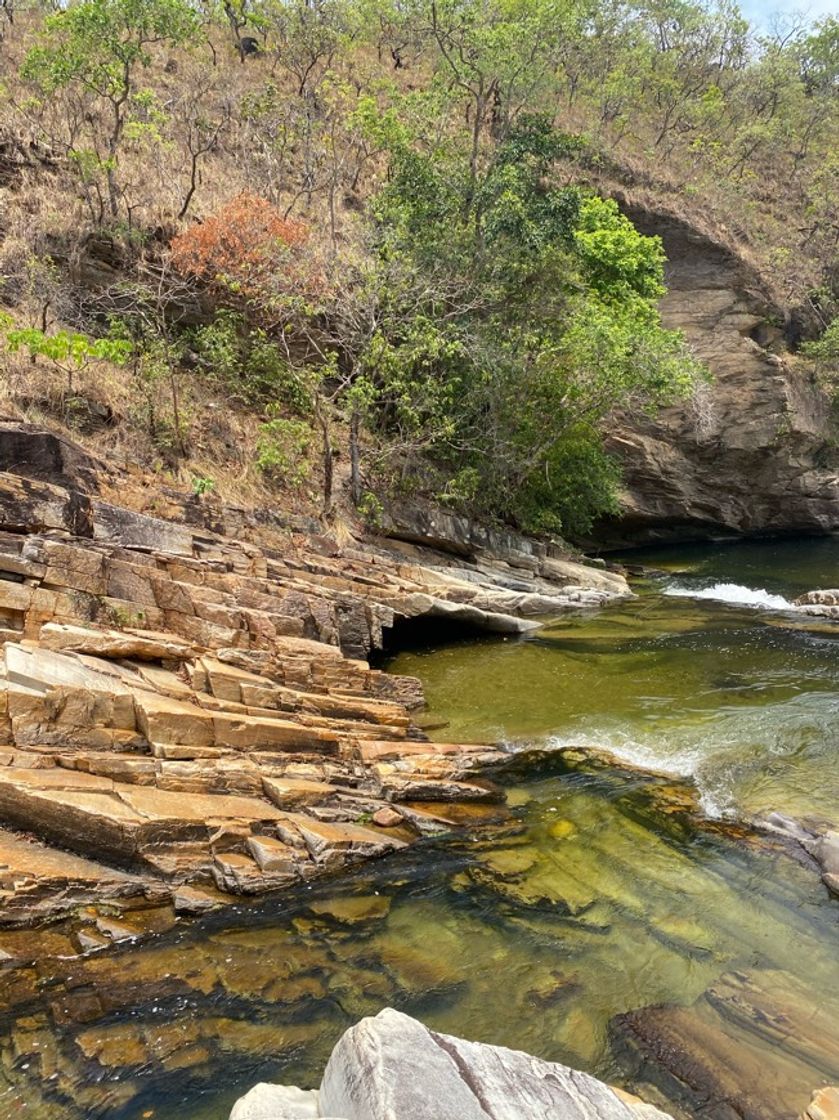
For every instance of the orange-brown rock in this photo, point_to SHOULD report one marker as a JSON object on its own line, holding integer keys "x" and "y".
{"x": 824, "y": 1105}
{"x": 192, "y": 714}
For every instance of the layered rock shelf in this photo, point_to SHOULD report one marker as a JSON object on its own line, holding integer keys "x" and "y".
{"x": 186, "y": 717}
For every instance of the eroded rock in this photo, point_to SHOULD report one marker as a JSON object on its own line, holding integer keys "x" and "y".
{"x": 748, "y": 454}
{"x": 194, "y": 709}
{"x": 391, "y": 1067}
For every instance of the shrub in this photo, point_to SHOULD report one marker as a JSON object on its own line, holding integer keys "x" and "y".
{"x": 247, "y": 249}
{"x": 281, "y": 449}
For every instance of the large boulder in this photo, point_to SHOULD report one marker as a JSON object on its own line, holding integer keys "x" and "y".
{"x": 34, "y": 453}
{"x": 393, "y": 1068}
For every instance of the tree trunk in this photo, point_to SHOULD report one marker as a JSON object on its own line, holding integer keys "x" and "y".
{"x": 328, "y": 460}
{"x": 355, "y": 461}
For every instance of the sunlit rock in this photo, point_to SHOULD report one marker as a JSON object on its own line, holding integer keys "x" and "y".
{"x": 392, "y": 1067}
{"x": 824, "y": 1105}
{"x": 276, "y": 1102}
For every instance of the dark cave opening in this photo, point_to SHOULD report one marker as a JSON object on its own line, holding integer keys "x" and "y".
{"x": 425, "y": 633}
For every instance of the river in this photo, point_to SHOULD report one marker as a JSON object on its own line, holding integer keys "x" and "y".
{"x": 709, "y": 672}
{"x": 584, "y": 928}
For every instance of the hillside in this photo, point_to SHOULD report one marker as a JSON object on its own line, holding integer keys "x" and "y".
{"x": 334, "y": 255}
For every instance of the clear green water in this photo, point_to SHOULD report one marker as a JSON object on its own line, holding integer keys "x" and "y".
{"x": 744, "y": 699}
{"x": 538, "y": 932}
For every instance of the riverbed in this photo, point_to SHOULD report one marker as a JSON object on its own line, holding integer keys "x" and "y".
{"x": 697, "y": 967}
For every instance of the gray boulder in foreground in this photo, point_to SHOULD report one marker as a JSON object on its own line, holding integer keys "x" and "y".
{"x": 276, "y": 1102}
{"x": 391, "y": 1067}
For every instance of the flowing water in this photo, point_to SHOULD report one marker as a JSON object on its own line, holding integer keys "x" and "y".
{"x": 584, "y": 923}
{"x": 711, "y": 672}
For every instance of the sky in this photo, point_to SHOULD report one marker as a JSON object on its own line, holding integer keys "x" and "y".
{"x": 761, "y": 11}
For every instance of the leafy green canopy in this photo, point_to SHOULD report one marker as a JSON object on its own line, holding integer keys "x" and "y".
{"x": 97, "y": 43}
{"x": 515, "y": 317}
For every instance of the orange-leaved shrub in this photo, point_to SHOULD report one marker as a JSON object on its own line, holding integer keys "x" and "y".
{"x": 245, "y": 248}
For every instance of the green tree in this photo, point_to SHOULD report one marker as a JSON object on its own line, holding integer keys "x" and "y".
{"x": 513, "y": 316}
{"x": 69, "y": 352}
{"x": 97, "y": 47}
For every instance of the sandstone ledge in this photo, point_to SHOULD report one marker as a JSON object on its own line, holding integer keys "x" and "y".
{"x": 187, "y": 718}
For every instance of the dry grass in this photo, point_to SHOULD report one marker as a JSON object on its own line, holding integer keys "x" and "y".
{"x": 106, "y": 414}
{"x": 45, "y": 216}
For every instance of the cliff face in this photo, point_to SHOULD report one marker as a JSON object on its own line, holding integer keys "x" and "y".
{"x": 753, "y": 452}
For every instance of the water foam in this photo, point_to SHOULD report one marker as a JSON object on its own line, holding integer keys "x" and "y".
{"x": 736, "y": 594}
{"x": 687, "y": 763}
{"x": 722, "y": 751}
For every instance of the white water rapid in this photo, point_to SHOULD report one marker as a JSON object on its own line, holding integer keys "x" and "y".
{"x": 736, "y": 594}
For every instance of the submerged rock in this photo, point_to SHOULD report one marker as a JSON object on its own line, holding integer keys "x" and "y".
{"x": 818, "y": 840}
{"x": 689, "y": 1054}
{"x": 391, "y": 1067}
{"x": 668, "y": 802}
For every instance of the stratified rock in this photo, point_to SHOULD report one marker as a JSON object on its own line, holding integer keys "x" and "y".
{"x": 825, "y": 849}
{"x": 352, "y": 910}
{"x": 748, "y": 454}
{"x": 144, "y": 645}
{"x": 824, "y": 1105}
{"x": 688, "y": 1054}
{"x": 391, "y": 1068}
{"x": 37, "y": 881}
{"x": 194, "y": 708}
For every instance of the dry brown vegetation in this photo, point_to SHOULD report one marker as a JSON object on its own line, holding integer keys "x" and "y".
{"x": 677, "y": 106}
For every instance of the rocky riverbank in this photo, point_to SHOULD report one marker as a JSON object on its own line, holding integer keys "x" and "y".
{"x": 187, "y": 717}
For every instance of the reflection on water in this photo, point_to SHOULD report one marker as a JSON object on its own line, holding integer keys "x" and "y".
{"x": 698, "y": 968}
